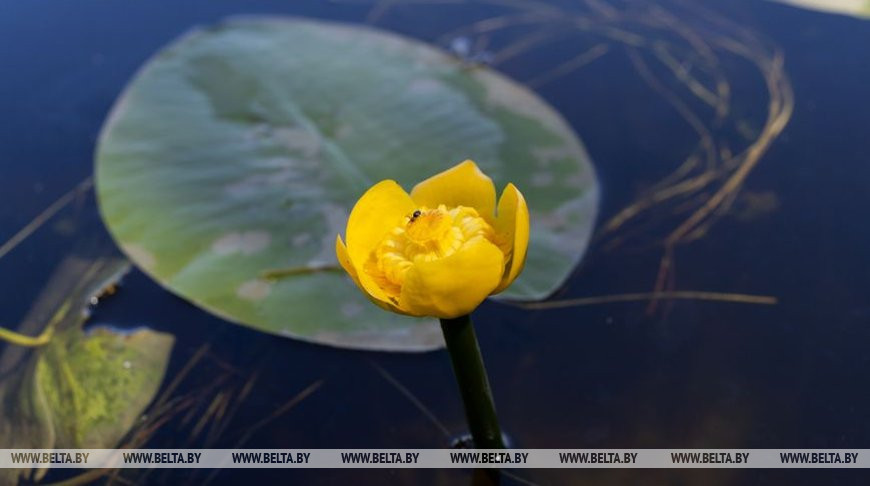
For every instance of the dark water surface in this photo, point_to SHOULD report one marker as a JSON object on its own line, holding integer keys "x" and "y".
{"x": 692, "y": 374}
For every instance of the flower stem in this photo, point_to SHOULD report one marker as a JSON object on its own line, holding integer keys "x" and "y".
{"x": 473, "y": 382}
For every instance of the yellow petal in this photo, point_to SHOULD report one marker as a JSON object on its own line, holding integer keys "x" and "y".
{"x": 370, "y": 289}
{"x": 376, "y": 213}
{"x": 462, "y": 185}
{"x": 344, "y": 260}
{"x": 512, "y": 225}
{"x": 455, "y": 285}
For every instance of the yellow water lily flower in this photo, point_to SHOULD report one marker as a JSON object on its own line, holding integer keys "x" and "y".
{"x": 439, "y": 251}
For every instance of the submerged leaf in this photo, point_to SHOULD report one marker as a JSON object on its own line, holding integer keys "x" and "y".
{"x": 82, "y": 389}
{"x": 232, "y": 160}
{"x": 96, "y": 384}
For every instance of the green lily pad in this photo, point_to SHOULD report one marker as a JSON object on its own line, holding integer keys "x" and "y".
{"x": 84, "y": 389}
{"x": 241, "y": 148}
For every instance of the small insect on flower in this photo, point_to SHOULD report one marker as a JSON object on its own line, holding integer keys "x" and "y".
{"x": 440, "y": 250}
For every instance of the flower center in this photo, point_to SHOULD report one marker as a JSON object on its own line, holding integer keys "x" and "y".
{"x": 424, "y": 235}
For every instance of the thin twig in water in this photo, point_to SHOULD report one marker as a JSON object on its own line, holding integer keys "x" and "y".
{"x": 45, "y": 215}
{"x": 411, "y": 398}
{"x": 381, "y": 7}
{"x": 573, "y": 64}
{"x": 491, "y": 24}
{"x": 200, "y": 353}
{"x": 645, "y": 296}
{"x": 527, "y": 43}
{"x": 296, "y": 400}
{"x": 222, "y": 423}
